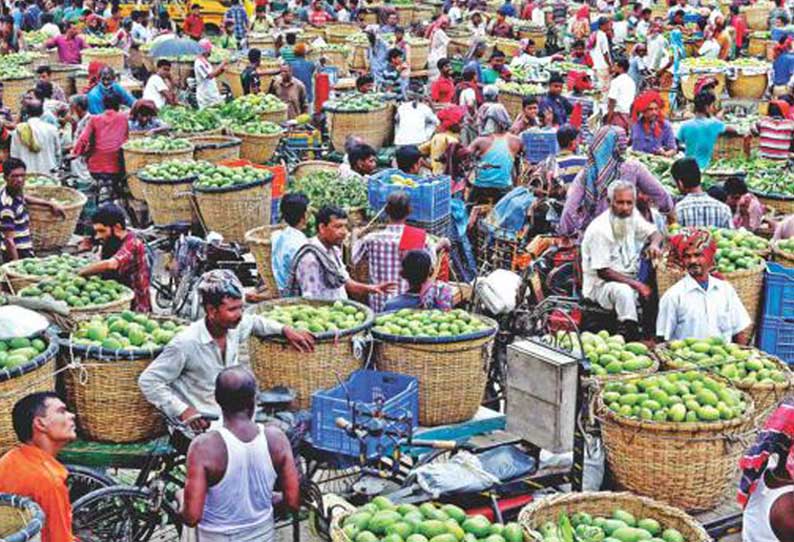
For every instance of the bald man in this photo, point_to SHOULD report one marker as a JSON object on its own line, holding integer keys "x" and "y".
{"x": 232, "y": 471}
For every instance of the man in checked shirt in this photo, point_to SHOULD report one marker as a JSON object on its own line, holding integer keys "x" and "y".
{"x": 385, "y": 248}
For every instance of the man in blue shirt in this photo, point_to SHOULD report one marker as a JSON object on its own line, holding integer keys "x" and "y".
{"x": 378, "y": 57}
{"x": 237, "y": 14}
{"x": 303, "y": 70}
{"x": 107, "y": 86}
{"x": 508, "y": 9}
{"x": 286, "y": 242}
{"x": 554, "y": 101}
{"x": 699, "y": 135}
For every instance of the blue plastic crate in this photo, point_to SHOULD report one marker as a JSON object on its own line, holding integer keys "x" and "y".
{"x": 776, "y": 337}
{"x": 778, "y": 291}
{"x": 539, "y": 144}
{"x": 401, "y": 398}
{"x": 781, "y": 33}
{"x": 430, "y": 199}
{"x": 275, "y": 211}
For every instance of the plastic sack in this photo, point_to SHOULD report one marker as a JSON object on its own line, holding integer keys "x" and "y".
{"x": 593, "y": 474}
{"x": 16, "y": 321}
{"x": 498, "y": 291}
{"x": 510, "y": 213}
{"x": 463, "y": 473}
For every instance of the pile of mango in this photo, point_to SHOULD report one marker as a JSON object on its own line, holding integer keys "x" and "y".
{"x": 622, "y": 526}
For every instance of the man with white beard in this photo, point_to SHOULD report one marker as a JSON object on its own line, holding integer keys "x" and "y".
{"x": 610, "y": 257}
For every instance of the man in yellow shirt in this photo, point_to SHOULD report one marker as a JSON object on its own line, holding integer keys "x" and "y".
{"x": 447, "y": 133}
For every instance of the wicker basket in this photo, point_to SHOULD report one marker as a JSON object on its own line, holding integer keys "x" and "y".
{"x": 63, "y": 76}
{"x": 21, "y": 519}
{"x": 334, "y": 59}
{"x": 419, "y": 53}
{"x": 358, "y": 57}
{"x": 688, "y": 465}
{"x": 374, "y": 127}
{"x": 765, "y": 396}
{"x": 279, "y": 116}
{"x": 189, "y": 135}
{"x": 275, "y": 363}
{"x": 258, "y": 148}
{"x": 748, "y": 283}
{"x": 510, "y": 48}
{"x": 312, "y": 166}
{"x": 121, "y": 304}
{"x": 337, "y": 33}
{"x": 782, "y": 203}
{"x": 13, "y": 90}
{"x": 688, "y": 83}
{"x": 781, "y": 256}
{"x": 748, "y": 86}
{"x": 114, "y": 59}
{"x": 135, "y": 160}
{"x": 757, "y": 47}
{"x": 445, "y": 367}
{"x": 15, "y": 280}
{"x": 259, "y": 243}
{"x": 214, "y": 148}
{"x": 732, "y": 146}
{"x": 262, "y": 42}
{"x": 513, "y": 102}
{"x": 757, "y": 16}
{"x": 538, "y": 512}
{"x": 169, "y": 199}
{"x": 100, "y": 383}
{"x": 235, "y": 71}
{"x": 37, "y": 375}
{"x": 405, "y": 15}
{"x": 48, "y": 230}
{"x": 233, "y": 211}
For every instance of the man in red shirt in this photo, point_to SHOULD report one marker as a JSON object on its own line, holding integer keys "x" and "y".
{"x": 194, "y": 24}
{"x": 123, "y": 255}
{"x": 43, "y": 427}
{"x": 318, "y": 16}
{"x": 740, "y": 28}
{"x": 442, "y": 91}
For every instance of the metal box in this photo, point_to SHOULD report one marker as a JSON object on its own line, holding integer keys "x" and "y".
{"x": 541, "y": 395}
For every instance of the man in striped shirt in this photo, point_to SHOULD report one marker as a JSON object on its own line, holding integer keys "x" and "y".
{"x": 569, "y": 162}
{"x": 14, "y": 218}
{"x": 776, "y": 133}
{"x": 697, "y": 209}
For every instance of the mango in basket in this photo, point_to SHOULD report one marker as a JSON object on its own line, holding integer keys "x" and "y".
{"x": 608, "y": 354}
{"x": 20, "y": 350}
{"x": 158, "y": 143}
{"x": 429, "y": 323}
{"x": 49, "y": 266}
{"x": 318, "y": 318}
{"x": 125, "y": 330}
{"x": 621, "y": 526}
{"x": 77, "y": 292}
{"x": 786, "y": 245}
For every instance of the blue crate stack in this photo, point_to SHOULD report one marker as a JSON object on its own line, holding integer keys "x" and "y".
{"x": 776, "y": 335}
{"x": 430, "y": 199}
{"x": 539, "y": 144}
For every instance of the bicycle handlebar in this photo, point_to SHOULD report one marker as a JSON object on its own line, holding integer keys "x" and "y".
{"x": 361, "y": 434}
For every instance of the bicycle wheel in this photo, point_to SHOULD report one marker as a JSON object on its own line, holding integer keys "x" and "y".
{"x": 124, "y": 514}
{"x": 82, "y": 480}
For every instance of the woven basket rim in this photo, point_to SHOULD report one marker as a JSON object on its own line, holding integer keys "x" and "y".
{"x": 126, "y": 148}
{"x": 8, "y": 269}
{"x": 780, "y": 252}
{"x": 152, "y": 180}
{"x": 227, "y": 141}
{"x": 81, "y": 198}
{"x": 243, "y": 135}
{"x": 326, "y": 335}
{"x": 402, "y": 339}
{"x": 739, "y": 273}
{"x": 20, "y": 78}
{"x": 661, "y": 350}
{"x": 39, "y": 361}
{"x": 233, "y": 188}
{"x": 126, "y": 295}
{"x": 123, "y": 354}
{"x": 613, "y": 498}
{"x": 653, "y": 369}
{"x": 772, "y": 195}
{"x": 34, "y": 524}
{"x": 251, "y": 236}
{"x": 378, "y": 109}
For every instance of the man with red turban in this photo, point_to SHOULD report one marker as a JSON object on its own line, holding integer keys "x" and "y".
{"x": 700, "y": 305}
{"x": 651, "y": 133}
{"x": 447, "y": 133}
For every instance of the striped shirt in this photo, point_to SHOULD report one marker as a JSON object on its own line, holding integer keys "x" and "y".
{"x": 569, "y": 165}
{"x": 700, "y": 210}
{"x": 775, "y": 138}
{"x": 14, "y": 217}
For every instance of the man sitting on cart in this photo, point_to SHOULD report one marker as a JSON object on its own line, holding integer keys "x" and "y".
{"x": 180, "y": 382}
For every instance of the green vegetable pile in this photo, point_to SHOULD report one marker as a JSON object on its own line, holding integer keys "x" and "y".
{"x": 622, "y": 526}
{"x": 256, "y": 127}
{"x": 521, "y": 88}
{"x": 381, "y": 521}
{"x": 328, "y": 188}
{"x": 173, "y": 170}
{"x": 226, "y": 177}
{"x": 530, "y": 74}
{"x": 746, "y": 366}
{"x": 20, "y": 350}
{"x": 674, "y": 397}
{"x": 736, "y": 249}
{"x": 158, "y": 143}
{"x": 702, "y": 64}
{"x": 333, "y": 48}
{"x": 318, "y": 318}
{"x": 250, "y": 107}
{"x": 125, "y": 330}
{"x": 185, "y": 119}
{"x": 98, "y": 42}
{"x": 608, "y": 354}
{"x": 77, "y": 292}
{"x": 763, "y": 176}
{"x": 355, "y": 101}
{"x": 19, "y": 59}
{"x": 13, "y": 71}
{"x": 429, "y": 323}
{"x": 358, "y": 38}
{"x": 786, "y": 245}
{"x": 51, "y": 266}
{"x": 42, "y": 181}
{"x": 35, "y": 37}
{"x": 100, "y": 50}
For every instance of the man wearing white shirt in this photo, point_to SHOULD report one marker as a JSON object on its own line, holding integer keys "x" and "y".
{"x": 157, "y": 88}
{"x": 415, "y": 123}
{"x": 700, "y": 306}
{"x": 621, "y": 95}
{"x": 601, "y": 56}
{"x": 455, "y": 14}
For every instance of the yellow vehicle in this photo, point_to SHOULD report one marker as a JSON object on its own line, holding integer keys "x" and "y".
{"x": 211, "y": 10}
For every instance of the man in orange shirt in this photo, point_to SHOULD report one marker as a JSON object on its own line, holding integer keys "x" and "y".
{"x": 43, "y": 427}
{"x": 194, "y": 24}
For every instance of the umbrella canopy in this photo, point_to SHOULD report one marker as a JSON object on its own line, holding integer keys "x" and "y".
{"x": 175, "y": 47}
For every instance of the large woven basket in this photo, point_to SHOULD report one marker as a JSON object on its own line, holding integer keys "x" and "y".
{"x": 782, "y": 203}
{"x": 37, "y": 375}
{"x": 259, "y": 241}
{"x": 169, "y": 200}
{"x": 233, "y": 211}
{"x": 546, "y": 509}
{"x": 687, "y": 465}
{"x": 419, "y": 53}
{"x": 135, "y": 160}
{"x": 278, "y": 116}
{"x": 13, "y": 90}
{"x": 214, "y": 148}
{"x": 358, "y": 57}
{"x": 258, "y": 148}
{"x": 748, "y": 283}
{"x": 113, "y": 59}
{"x": 781, "y": 256}
{"x": 405, "y": 15}
{"x": 262, "y": 42}
{"x": 731, "y": 146}
{"x": 688, "y": 83}
{"x": 513, "y": 102}
{"x": 748, "y": 86}
{"x": 21, "y": 519}
{"x": 766, "y": 396}
{"x": 312, "y": 166}
{"x": 374, "y": 127}
{"x": 339, "y": 32}
{"x": 99, "y": 382}
{"x": 757, "y": 16}
{"x": 234, "y": 73}
{"x": 445, "y": 367}
{"x": 47, "y": 229}
{"x": 121, "y": 304}
{"x": 276, "y": 363}
{"x": 63, "y": 76}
